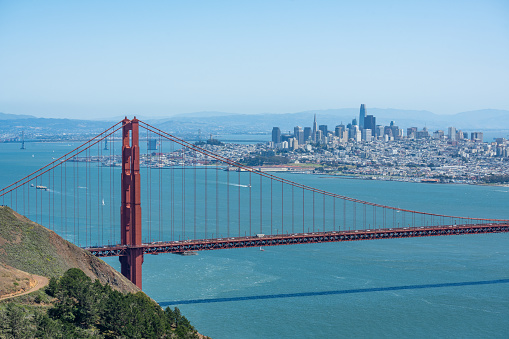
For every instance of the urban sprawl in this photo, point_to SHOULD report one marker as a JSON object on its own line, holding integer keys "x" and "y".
{"x": 367, "y": 150}
{"x": 360, "y": 149}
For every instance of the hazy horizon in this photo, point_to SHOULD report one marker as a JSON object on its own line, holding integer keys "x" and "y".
{"x": 222, "y": 114}
{"x": 91, "y": 60}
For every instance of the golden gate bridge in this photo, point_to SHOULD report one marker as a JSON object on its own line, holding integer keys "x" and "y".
{"x": 196, "y": 199}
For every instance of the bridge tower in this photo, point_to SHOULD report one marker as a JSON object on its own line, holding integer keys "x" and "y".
{"x": 130, "y": 211}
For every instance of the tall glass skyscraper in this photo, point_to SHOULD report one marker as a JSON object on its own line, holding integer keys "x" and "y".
{"x": 362, "y": 115}
{"x": 315, "y": 127}
{"x": 276, "y": 135}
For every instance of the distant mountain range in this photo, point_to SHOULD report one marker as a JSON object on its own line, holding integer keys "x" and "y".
{"x": 5, "y": 116}
{"x": 488, "y": 119}
{"x": 223, "y": 122}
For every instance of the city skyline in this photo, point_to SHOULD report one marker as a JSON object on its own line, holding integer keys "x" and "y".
{"x": 363, "y": 129}
{"x": 95, "y": 59}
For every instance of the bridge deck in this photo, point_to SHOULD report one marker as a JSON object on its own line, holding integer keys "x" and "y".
{"x": 300, "y": 238}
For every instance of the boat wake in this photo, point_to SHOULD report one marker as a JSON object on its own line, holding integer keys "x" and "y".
{"x": 236, "y": 185}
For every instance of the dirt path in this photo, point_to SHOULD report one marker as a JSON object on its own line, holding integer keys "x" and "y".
{"x": 40, "y": 282}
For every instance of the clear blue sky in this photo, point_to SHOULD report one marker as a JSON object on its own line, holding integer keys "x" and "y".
{"x": 97, "y": 59}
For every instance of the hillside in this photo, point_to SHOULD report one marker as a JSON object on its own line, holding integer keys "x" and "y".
{"x": 85, "y": 298}
{"x": 32, "y": 248}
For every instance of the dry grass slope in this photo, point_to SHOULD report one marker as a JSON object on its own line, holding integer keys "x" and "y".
{"x": 34, "y": 249}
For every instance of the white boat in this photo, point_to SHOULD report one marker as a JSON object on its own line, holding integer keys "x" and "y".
{"x": 261, "y": 249}
{"x": 103, "y": 202}
{"x": 188, "y": 253}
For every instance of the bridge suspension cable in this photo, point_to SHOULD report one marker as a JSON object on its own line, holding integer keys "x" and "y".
{"x": 191, "y": 192}
{"x": 249, "y": 169}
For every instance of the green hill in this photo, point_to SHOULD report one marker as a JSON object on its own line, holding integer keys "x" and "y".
{"x": 85, "y": 297}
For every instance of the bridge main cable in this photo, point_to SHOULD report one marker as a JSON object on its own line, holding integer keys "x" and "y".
{"x": 59, "y": 161}
{"x": 289, "y": 182}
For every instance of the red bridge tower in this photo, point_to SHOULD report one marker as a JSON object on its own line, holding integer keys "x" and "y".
{"x": 130, "y": 211}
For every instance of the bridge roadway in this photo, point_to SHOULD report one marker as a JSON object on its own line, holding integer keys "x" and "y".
{"x": 181, "y": 247}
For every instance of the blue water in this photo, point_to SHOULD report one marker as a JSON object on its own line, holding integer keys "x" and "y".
{"x": 453, "y": 286}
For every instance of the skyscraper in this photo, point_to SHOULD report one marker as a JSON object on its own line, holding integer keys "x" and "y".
{"x": 452, "y": 133}
{"x": 370, "y": 123}
{"x": 338, "y": 131}
{"x": 324, "y": 130}
{"x": 307, "y": 133}
{"x": 476, "y": 136}
{"x": 315, "y": 127}
{"x": 298, "y": 133}
{"x": 276, "y": 135}
{"x": 362, "y": 115}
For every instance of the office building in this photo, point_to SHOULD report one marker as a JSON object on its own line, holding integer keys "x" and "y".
{"x": 323, "y": 128}
{"x": 276, "y": 135}
{"x": 366, "y": 134}
{"x": 411, "y": 132}
{"x": 362, "y": 115}
{"x": 476, "y": 136}
{"x": 424, "y": 134}
{"x": 307, "y": 134}
{"x": 315, "y": 128}
{"x": 439, "y": 134}
{"x": 152, "y": 144}
{"x": 370, "y": 123}
{"x": 298, "y": 134}
{"x": 452, "y": 133}
{"x": 319, "y": 136}
{"x": 338, "y": 131}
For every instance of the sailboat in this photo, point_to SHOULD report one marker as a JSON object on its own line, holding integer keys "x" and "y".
{"x": 103, "y": 202}
{"x": 261, "y": 249}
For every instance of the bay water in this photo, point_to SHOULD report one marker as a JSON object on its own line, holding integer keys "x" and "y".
{"x": 454, "y": 287}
